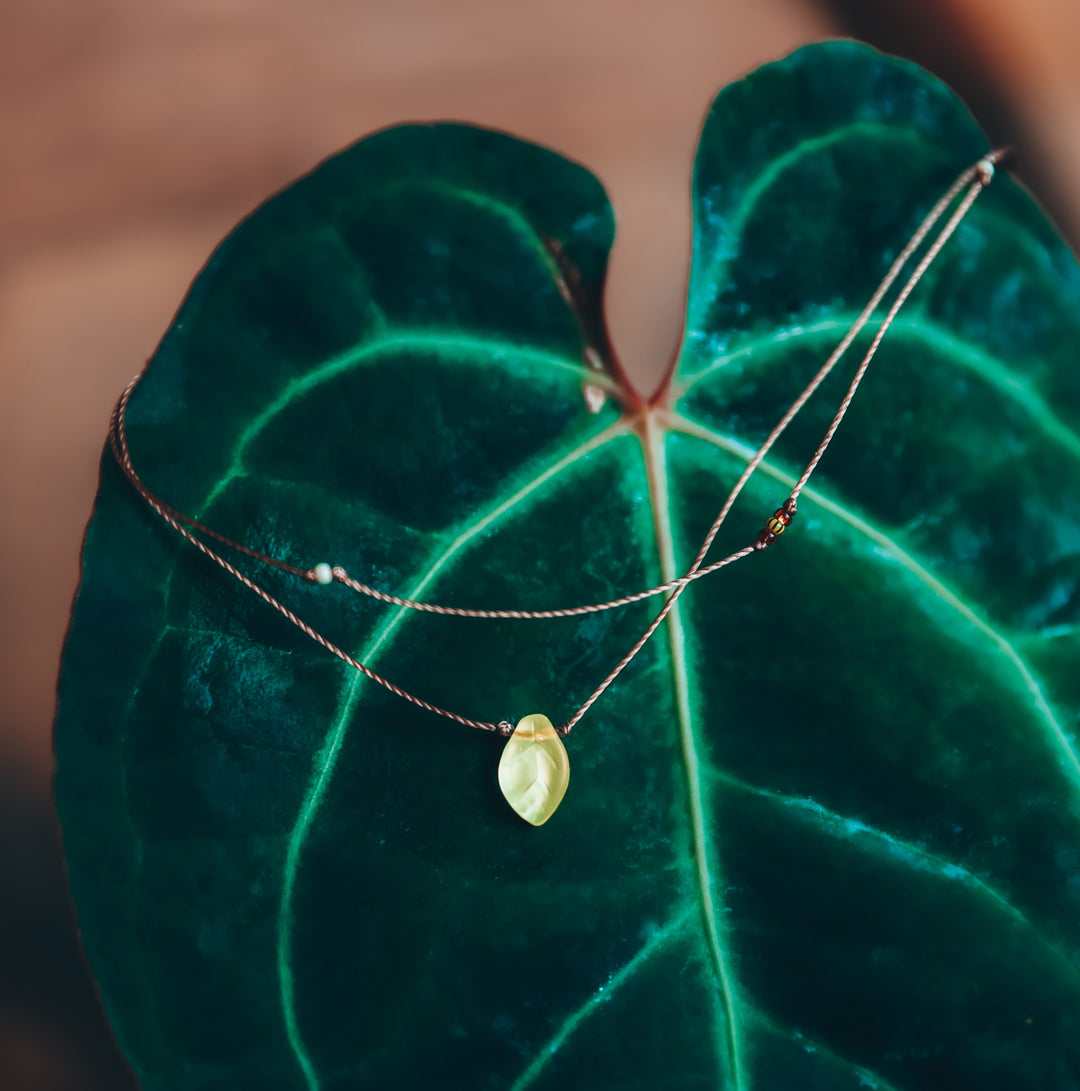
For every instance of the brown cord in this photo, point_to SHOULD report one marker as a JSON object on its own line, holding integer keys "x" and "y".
{"x": 977, "y": 178}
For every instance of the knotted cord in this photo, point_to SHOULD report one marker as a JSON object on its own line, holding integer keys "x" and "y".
{"x": 975, "y": 179}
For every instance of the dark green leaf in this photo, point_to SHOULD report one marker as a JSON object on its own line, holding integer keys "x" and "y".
{"x": 823, "y": 834}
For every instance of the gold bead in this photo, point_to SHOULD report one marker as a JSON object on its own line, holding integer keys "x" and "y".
{"x": 534, "y": 770}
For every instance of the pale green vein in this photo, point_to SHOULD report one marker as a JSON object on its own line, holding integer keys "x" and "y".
{"x": 598, "y": 998}
{"x": 703, "y": 294}
{"x": 1052, "y": 632}
{"x": 517, "y": 221}
{"x": 1059, "y": 740}
{"x": 980, "y": 363}
{"x": 1059, "y": 264}
{"x": 762, "y": 347}
{"x": 996, "y": 374}
{"x": 656, "y": 467}
{"x": 450, "y": 344}
{"x": 327, "y": 757}
{"x": 904, "y": 852}
{"x": 866, "y": 1076}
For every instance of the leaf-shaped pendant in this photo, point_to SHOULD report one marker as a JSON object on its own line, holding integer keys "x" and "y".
{"x": 534, "y": 770}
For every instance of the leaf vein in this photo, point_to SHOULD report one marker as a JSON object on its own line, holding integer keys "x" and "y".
{"x": 436, "y": 343}
{"x": 867, "y": 1077}
{"x": 656, "y": 469}
{"x": 908, "y": 853}
{"x": 326, "y": 759}
{"x": 599, "y": 997}
{"x": 703, "y": 295}
{"x": 982, "y": 364}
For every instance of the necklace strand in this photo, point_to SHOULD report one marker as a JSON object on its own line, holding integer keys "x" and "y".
{"x": 976, "y": 178}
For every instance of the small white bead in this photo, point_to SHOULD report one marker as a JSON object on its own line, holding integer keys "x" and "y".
{"x": 323, "y": 573}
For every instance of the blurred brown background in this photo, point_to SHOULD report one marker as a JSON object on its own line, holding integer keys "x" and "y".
{"x": 133, "y": 135}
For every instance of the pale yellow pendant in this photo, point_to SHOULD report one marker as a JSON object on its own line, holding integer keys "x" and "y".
{"x": 534, "y": 770}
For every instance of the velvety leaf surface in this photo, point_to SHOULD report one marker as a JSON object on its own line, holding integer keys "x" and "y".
{"x": 823, "y": 834}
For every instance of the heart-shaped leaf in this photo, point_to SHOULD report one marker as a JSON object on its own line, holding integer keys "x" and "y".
{"x": 822, "y": 834}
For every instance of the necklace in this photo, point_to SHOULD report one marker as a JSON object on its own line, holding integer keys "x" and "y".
{"x": 534, "y": 770}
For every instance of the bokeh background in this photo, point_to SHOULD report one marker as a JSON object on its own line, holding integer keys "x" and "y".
{"x": 134, "y": 134}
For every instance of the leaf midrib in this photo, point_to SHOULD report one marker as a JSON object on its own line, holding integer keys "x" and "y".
{"x": 652, "y": 441}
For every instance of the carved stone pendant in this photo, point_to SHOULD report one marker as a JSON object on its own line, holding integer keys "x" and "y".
{"x": 534, "y": 770}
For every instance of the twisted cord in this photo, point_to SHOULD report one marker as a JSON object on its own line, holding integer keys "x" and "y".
{"x": 342, "y": 576}
{"x": 977, "y": 177}
{"x": 339, "y": 573}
